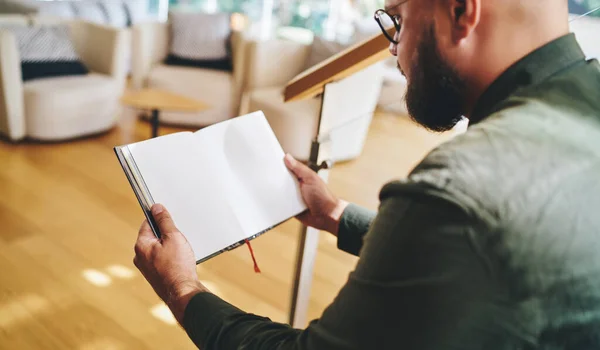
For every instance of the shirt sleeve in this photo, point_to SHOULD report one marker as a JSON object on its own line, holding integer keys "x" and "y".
{"x": 420, "y": 283}
{"x": 354, "y": 224}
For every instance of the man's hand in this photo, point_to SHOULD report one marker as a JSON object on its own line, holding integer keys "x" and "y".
{"x": 324, "y": 209}
{"x": 168, "y": 264}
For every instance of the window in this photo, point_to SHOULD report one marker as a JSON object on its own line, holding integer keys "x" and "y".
{"x": 580, "y": 7}
{"x": 333, "y": 19}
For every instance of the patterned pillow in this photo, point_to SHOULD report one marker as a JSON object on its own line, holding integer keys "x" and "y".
{"x": 200, "y": 40}
{"x": 47, "y": 51}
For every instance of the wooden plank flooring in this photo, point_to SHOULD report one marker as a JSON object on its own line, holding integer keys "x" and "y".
{"x": 69, "y": 221}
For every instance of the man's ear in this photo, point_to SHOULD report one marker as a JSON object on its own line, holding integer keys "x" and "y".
{"x": 465, "y": 16}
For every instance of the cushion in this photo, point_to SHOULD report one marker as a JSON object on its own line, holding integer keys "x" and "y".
{"x": 213, "y": 87}
{"x": 90, "y": 11}
{"x": 66, "y": 107}
{"x": 200, "y": 40}
{"x": 13, "y": 20}
{"x": 47, "y": 51}
{"x": 322, "y": 49}
{"x": 115, "y": 12}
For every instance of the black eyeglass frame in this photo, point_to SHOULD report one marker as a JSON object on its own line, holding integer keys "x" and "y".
{"x": 397, "y": 25}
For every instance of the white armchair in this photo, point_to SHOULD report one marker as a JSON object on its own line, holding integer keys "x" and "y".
{"x": 271, "y": 64}
{"x": 13, "y": 20}
{"x": 65, "y": 107}
{"x": 219, "y": 89}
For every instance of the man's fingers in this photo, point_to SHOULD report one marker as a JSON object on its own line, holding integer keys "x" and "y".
{"x": 146, "y": 239}
{"x": 163, "y": 219}
{"x": 301, "y": 171}
{"x": 145, "y": 231}
{"x": 304, "y": 216}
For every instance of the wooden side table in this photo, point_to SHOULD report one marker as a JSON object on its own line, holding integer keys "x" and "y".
{"x": 157, "y": 100}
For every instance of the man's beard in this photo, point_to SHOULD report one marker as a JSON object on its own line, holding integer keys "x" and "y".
{"x": 434, "y": 96}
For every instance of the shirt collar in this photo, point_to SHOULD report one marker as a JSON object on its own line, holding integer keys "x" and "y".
{"x": 532, "y": 69}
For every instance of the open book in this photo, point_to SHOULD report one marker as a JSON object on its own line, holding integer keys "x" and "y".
{"x": 223, "y": 185}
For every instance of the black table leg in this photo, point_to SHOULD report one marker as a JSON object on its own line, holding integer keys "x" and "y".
{"x": 154, "y": 122}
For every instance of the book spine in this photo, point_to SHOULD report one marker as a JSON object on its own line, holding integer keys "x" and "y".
{"x": 236, "y": 244}
{"x": 149, "y": 201}
{"x": 136, "y": 181}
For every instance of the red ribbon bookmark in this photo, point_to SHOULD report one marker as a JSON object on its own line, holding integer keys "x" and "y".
{"x": 256, "y": 268}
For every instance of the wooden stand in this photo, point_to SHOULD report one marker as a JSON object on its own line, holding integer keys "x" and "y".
{"x": 326, "y": 78}
{"x": 320, "y": 161}
{"x": 309, "y": 238}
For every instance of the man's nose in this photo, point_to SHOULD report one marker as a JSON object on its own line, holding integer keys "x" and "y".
{"x": 393, "y": 48}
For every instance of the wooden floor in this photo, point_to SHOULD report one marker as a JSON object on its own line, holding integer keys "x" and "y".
{"x": 69, "y": 221}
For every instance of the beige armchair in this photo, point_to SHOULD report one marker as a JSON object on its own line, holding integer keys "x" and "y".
{"x": 13, "y": 19}
{"x": 219, "y": 89}
{"x": 59, "y": 108}
{"x": 272, "y": 64}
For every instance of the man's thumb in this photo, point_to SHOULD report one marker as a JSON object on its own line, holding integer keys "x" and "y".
{"x": 163, "y": 219}
{"x": 300, "y": 170}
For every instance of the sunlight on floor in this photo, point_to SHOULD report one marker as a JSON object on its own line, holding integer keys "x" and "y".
{"x": 97, "y": 278}
{"x": 162, "y": 312}
{"x": 120, "y": 271}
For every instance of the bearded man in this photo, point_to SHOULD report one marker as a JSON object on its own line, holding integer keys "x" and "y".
{"x": 491, "y": 243}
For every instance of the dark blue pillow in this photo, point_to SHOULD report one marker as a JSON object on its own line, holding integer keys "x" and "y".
{"x": 218, "y": 64}
{"x": 37, "y": 70}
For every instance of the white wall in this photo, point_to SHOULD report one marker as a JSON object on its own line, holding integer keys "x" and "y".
{"x": 587, "y": 32}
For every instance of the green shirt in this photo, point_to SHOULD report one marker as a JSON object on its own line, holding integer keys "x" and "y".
{"x": 492, "y": 242}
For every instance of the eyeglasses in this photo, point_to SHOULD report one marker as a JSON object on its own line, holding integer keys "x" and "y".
{"x": 386, "y": 21}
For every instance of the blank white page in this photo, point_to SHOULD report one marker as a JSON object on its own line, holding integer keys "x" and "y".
{"x": 260, "y": 189}
{"x": 191, "y": 190}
